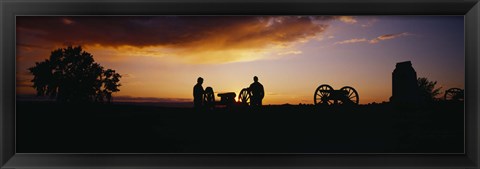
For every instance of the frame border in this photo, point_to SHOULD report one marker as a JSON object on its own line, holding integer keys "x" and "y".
{"x": 9, "y": 9}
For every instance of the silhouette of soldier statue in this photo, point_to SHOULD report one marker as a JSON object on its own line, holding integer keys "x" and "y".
{"x": 256, "y": 89}
{"x": 198, "y": 93}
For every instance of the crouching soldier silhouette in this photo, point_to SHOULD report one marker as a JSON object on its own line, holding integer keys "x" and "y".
{"x": 257, "y": 92}
{"x": 198, "y": 94}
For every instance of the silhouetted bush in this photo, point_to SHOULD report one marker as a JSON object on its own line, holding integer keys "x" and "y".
{"x": 427, "y": 89}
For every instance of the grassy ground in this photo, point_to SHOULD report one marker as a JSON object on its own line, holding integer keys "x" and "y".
{"x": 44, "y": 127}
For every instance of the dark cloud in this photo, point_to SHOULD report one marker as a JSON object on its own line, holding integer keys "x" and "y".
{"x": 187, "y": 39}
{"x": 31, "y": 46}
{"x": 176, "y": 31}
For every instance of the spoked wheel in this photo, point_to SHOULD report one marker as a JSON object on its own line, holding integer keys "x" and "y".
{"x": 244, "y": 97}
{"x": 351, "y": 96}
{"x": 208, "y": 98}
{"x": 454, "y": 94}
{"x": 322, "y": 94}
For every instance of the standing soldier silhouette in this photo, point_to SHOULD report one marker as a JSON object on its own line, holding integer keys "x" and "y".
{"x": 257, "y": 92}
{"x": 198, "y": 93}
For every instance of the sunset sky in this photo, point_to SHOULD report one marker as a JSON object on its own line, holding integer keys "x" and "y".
{"x": 161, "y": 57}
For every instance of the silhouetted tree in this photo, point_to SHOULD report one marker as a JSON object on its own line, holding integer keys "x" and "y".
{"x": 111, "y": 84}
{"x": 71, "y": 75}
{"x": 427, "y": 89}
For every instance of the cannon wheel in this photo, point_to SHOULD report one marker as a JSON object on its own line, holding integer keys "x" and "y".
{"x": 352, "y": 96}
{"x": 244, "y": 96}
{"x": 454, "y": 94}
{"x": 321, "y": 95}
{"x": 208, "y": 98}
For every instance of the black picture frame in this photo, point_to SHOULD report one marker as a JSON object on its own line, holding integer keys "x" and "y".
{"x": 9, "y": 9}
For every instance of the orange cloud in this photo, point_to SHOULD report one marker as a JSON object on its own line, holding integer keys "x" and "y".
{"x": 292, "y": 52}
{"x": 347, "y": 19}
{"x": 388, "y": 37}
{"x": 375, "y": 40}
{"x": 355, "y": 40}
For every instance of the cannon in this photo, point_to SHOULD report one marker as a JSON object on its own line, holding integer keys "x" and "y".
{"x": 227, "y": 99}
{"x": 454, "y": 94}
{"x": 325, "y": 95}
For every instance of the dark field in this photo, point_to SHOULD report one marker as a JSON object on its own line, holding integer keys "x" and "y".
{"x": 44, "y": 127}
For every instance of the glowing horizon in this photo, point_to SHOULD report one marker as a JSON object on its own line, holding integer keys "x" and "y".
{"x": 162, "y": 56}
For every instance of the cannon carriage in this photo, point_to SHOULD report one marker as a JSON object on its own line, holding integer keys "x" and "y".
{"x": 326, "y": 95}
